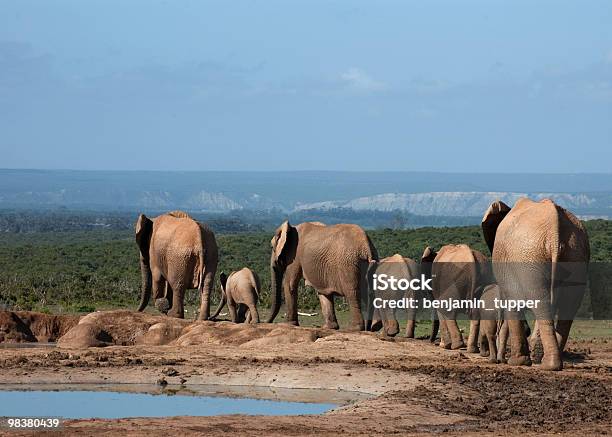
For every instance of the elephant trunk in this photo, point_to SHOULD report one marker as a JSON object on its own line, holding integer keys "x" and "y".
{"x": 220, "y": 307}
{"x": 147, "y": 279}
{"x": 276, "y": 284}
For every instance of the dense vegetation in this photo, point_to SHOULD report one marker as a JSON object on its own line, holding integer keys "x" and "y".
{"x": 93, "y": 269}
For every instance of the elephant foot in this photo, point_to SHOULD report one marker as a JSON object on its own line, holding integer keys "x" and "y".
{"x": 520, "y": 360}
{"x": 552, "y": 363}
{"x": 290, "y": 323}
{"x": 391, "y": 333}
{"x": 177, "y": 314}
{"x": 457, "y": 345}
{"x": 162, "y": 305}
{"x": 376, "y": 325}
{"x": 409, "y": 334}
{"x": 444, "y": 345}
{"x": 484, "y": 353}
{"x": 493, "y": 360}
{"x": 502, "y": 359}
{"x": 355, "y": 327}
{"x": 473, "y": 350}
{"x": 331, "y": 325}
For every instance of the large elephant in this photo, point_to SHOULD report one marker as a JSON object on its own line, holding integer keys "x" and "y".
{"x": 459, "y": 273}
{"x": 400, "y": 268}
{"x": 331, "y": 259}
{"x": 176, "y": 253}
{"x": 241, "y": 292}
{"x": 541, "y": 252}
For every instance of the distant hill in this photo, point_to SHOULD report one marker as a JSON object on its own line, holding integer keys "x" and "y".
{"x": 421, "y": 194}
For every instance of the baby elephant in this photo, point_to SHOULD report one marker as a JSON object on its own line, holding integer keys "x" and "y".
{"x": 241, "y": 292}
{"x": 490, "y": 324}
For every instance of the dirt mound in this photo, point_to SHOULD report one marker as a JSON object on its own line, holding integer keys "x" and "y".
{"x": 162, "y": 333}
{"x": 13, "y": 330}
{"x": 47, "y": 327}
{"x": 246, "y": 335}
{"x": 27, "y": 326}
{"x": 126, "y": 328}
{"x": 121, "y": 328}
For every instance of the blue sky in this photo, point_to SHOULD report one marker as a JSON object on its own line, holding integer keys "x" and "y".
{"x": 470, "y": 86}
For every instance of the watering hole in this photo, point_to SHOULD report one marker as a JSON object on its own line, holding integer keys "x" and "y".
{"x": 84, "y": 401}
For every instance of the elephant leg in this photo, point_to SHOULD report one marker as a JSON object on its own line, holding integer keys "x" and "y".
{"x": 253, "y": 316}
{"x": 445, "y": 341}
{"x": 242, "y": 312}
{"x": 472, "y": 345}
{"x": 169, "y": 294}
{"x": 455, "y": 335}
{"x": 483, "y": 341}
{"x": 177, "y": 310}
{"x": 492, "y": 345}
{"x": 535, "y": 344}
{"x": 231, "y": 306}
{"x": 502, "y": 341}
{"x": 290, "y": 289}
{"x": 377, "y": 323}
{"x": 410, "y": 325}
{"x": 435, "y": 326}
{"x": 329, "y": 314}
{"x": 248, "y": 318}
{"x": 357, "y": 322}
{"x": 552, "y": 354}
{"x": 563, "y": 330}
{"x": 159, "y": 288}
{"x": 519, "y": 350}
{"x": 205, "y": 293}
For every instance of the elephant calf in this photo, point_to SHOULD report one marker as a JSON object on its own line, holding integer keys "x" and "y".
{"x": 241, "y": 292}
{"x": 490, "y": 324}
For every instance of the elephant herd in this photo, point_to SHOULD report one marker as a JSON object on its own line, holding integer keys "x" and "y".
{"x": 531, "y": 245}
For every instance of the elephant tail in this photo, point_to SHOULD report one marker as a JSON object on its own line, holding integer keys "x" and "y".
{"x": 373, "y": 255}
{"x": 147, "y": 280}
{"x": 257, "y": 286}
{"x": 554, "y": 260}
{"x": 208, "y": 267}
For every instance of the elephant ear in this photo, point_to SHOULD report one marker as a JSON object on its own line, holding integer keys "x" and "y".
{"x": 144, "y": 228}
{"x": 429, "y": 254}
{"x": 427, "y": 259}
{"x": 282, "y": 237}
{"x": 491, "y": 220}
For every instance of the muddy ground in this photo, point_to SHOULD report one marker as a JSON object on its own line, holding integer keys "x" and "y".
{"x": 413, "y": 387}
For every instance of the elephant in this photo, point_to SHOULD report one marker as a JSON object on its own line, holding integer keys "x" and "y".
{"x": 459, "y": 273}
{"x": 331, "y": 259}
{"x": 491, "y": 323}
{"x": 540, "y": 251}
{"x": 399, "y": 267}
{"x": 241, "y": 292}
{"x": 176, "y": 253}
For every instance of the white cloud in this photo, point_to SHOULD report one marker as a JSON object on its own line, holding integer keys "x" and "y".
{"x": 608, "y": 57}
{"x": 360, "y": 80}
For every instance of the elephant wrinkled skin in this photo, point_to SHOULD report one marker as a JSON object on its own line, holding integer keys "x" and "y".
{"x": 331, "y": 259}
{"x": 176, "y": 253}
{"x": 533, "y": 246}
{"x": 241, "y": 292}
{"x": 457, "y": 272}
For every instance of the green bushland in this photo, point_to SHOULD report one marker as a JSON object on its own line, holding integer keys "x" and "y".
{"x": 80, "y": 271}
